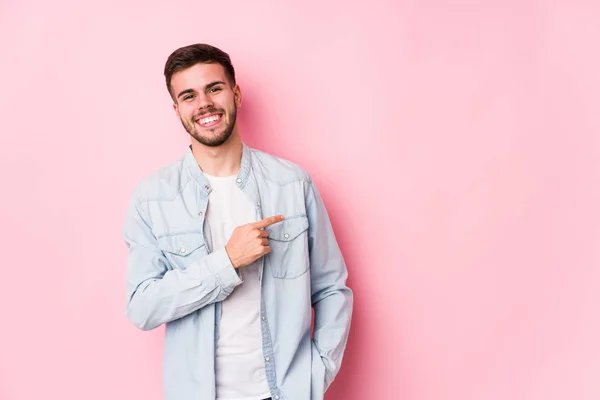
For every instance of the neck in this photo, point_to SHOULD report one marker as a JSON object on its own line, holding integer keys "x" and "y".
{"x": 224, "y": 160}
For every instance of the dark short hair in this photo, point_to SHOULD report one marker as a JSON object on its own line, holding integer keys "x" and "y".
{"x": 188, "y": 56}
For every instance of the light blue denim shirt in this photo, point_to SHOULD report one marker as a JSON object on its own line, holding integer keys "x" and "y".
{"x": 174, "y": 277}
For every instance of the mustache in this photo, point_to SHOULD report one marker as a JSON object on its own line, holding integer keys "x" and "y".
{"x": 209, "y": 111}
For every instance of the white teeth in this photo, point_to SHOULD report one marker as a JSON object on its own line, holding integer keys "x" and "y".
{"x": 209, "y": 120}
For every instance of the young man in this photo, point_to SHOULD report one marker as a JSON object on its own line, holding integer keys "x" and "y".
{"x": 231, "y": 248}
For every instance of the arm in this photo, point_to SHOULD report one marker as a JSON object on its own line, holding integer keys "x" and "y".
{"x": 332, "y": 300}
{"x": 156, "y": 293}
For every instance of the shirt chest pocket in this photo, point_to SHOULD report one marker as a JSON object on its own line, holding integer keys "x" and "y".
{"x": 181, "y": 249}
{"x": 288, "y": 240}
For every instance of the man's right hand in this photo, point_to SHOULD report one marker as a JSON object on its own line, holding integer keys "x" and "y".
{"x": 250, "y": 242}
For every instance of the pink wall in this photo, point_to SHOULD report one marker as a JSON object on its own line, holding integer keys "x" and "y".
{"x": 456, "y": 144}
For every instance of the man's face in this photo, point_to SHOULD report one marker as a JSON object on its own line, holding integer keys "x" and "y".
{"x": 206, "y": 103}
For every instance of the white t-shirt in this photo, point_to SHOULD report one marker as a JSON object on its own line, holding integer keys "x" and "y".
{"x": 239, "y": 365}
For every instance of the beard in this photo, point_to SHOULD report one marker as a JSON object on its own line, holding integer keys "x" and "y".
{"x": 214, "y": 140}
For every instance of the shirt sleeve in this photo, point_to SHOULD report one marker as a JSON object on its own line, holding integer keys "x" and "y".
{"x": 157, "y": 293}
{"x": 332, "y": 300}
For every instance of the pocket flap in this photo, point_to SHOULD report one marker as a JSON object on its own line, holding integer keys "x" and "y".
{"x": 288, "y": 229}
{"x": 181, "y": 244}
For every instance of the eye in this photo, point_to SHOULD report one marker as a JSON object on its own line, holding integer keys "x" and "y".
{"x": 215, "y": 90}
{"x": 188, "y": 97}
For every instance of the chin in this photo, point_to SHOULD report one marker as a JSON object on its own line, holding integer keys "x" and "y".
{"x": 212, "y": 141}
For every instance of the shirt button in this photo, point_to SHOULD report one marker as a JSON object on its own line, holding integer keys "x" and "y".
{"x": 276, "y": 397}
{"x": 263, "y": 318}
{"x": 267, "y": 358}
{"x": 287, "y": 236}
{"x": 200, "y": 213}
{"x": 182, "y": 250}
{"x": 238, "y": 180}
{"x": 206, "y": 187}
{"x": 258, "y": 203}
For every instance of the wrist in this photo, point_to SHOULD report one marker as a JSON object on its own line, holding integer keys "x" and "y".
{"x": 233, "y": 260}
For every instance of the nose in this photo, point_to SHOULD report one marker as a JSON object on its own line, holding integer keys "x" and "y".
{"x": 204, "y": 102}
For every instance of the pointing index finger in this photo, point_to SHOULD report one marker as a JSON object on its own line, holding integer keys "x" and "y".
{"x": 268, "y": 221}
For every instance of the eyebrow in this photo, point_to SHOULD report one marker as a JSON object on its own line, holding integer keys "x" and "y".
{"x": 210, "y": 85}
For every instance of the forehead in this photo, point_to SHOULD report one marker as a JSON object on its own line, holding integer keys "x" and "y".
{"x": 197, "y": 76}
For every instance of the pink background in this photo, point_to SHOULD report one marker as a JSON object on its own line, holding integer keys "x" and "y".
{"x": 456, "y": 145}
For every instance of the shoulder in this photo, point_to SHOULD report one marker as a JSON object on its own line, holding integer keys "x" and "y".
{"x": 277, "y": 169}
{"x": 164, "y": 183}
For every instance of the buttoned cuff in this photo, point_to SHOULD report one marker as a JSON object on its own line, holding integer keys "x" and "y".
{"x": 223, "y": 270}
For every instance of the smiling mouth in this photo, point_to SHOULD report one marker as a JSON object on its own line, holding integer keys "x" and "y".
{"x": 209, "y": 120}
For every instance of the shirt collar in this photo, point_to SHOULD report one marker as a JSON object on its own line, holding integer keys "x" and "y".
{"x": 193, "y": 168}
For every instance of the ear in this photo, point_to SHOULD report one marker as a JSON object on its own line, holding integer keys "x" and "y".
{"x": 176, "y": 108}
{"x": 237, "y": 95}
